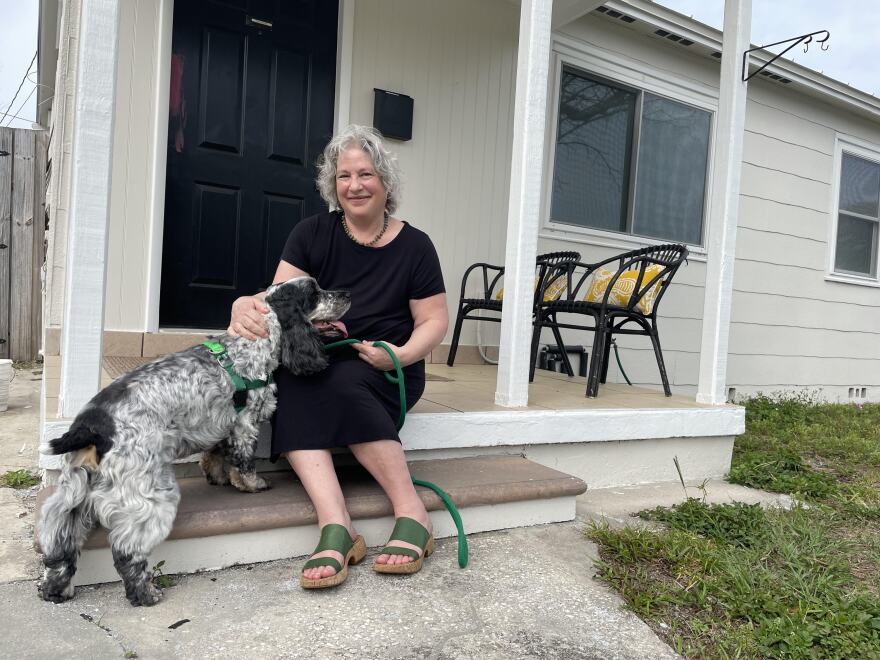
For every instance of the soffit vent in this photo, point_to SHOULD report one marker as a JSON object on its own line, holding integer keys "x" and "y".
{"x": 774, "y": 76}
{"x": 613, "y": 13}
{"x": 681, "y": 41}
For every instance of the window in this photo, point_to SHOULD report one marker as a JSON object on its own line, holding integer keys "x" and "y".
{"x": 858, "y": 217}
{"x": 629, "y": 161}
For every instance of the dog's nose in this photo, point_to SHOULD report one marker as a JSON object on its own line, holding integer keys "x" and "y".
{"x": 345, "y": 295}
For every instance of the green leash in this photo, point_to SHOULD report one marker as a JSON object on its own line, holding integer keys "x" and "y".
{"x": 617, "y": 356}
{"x": 397, "y": 379}
{"x": 456, "y": 518}
{"x": 393, "y": 378}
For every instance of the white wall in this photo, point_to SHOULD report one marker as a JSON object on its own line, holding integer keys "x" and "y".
{"x": 457, "y": 59}
{"x": 792, "y": 328}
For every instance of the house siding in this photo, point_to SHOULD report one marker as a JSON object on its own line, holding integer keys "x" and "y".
{"x": 60, "y": 161}
{"x": 791, "y": 328}
{"x": 457, "y": 59}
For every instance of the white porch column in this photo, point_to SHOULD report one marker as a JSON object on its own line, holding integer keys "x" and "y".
{"x": 83, "y": 323}
{"x": 724, "y": 206}
{"x": 344, "y": 63}
{"x": 526, "y": 183}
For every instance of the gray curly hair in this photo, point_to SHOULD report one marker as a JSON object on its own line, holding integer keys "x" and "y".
{"x": 371, "y": 142}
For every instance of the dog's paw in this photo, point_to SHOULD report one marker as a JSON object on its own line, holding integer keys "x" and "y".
{"x": 147, "y": 595}
{"x": 54, "y": 596}
{"x": 216, "y": 480}
{"x": 248, "y": 482}
{"x": 212, "y": 468}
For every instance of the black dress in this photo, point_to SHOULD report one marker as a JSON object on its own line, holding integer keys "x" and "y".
{"x": 351, "y": 402}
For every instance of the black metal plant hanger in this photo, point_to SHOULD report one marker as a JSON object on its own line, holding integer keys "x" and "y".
{"x": 806, "y": 39}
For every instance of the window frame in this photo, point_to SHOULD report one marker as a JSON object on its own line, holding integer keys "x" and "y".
{"x": 866, "y": 151}
{"x": 627, "y": 73}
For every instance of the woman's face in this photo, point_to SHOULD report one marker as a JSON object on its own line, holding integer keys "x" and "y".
{"x": 358, "y": 187}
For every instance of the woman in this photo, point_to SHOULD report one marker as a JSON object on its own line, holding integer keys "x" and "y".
{"x": 398, "y": 297}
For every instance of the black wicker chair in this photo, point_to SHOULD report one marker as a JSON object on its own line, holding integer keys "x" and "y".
{"x": 608, "y": 319}
{"x": 547, "y": 268}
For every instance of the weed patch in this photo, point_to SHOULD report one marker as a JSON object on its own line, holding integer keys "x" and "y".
{"x": 19, "y": 479}
{"x": 741, "y": 525}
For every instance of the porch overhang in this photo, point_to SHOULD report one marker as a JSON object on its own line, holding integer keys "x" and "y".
{"x": 566, "y": 11}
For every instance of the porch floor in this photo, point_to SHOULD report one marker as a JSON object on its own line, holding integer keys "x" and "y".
{"x": 463, "y": 388}
{"x": 471, "y": 388}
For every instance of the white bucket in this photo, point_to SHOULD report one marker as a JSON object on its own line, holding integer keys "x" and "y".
{"x": 5, "y": 379}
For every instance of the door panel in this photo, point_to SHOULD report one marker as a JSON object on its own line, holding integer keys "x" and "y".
{"x": 281, "y": 214}
{"x": 221, "y": 93}
{"x": 252, "y": 100}
{"x": 288, "y": 106}
{"x": 216, "y": 222}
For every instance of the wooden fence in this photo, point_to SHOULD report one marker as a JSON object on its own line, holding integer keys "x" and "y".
{"x": 22, "y": 235}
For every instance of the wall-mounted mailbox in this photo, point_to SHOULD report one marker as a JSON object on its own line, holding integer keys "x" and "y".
{"x": 393, "y": 114}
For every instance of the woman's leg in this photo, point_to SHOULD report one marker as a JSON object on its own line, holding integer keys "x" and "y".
{"x": 315, "y": 470}
{"x": 384, "y": 459}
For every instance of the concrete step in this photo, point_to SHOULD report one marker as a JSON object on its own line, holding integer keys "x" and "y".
{"x": 217, "y": 526}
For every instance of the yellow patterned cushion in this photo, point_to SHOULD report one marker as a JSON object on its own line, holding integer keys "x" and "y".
{"x": 624, "y": 287}
{"x": 553, "y": 291}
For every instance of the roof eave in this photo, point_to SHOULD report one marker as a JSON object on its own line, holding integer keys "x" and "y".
{"x": 803, "y": 78}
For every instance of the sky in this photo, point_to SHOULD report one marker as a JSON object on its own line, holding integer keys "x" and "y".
{"x": 850, "y": 58}
{"x": 18, "y": 43}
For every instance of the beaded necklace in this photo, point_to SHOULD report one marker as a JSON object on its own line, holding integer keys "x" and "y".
{"x": 375, "y": 238}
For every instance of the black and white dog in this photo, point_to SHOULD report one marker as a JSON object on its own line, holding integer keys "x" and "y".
{"x": 120, "y": 449}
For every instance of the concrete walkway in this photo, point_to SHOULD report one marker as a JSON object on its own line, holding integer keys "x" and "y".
{"x": 19, "y": 446}
{"x": 527, "y": 593}
{"x": 499, "y": 607}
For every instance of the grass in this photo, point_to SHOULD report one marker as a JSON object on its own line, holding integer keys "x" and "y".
{"x": 735, "y": 580}
{"x": 19, "y": 479}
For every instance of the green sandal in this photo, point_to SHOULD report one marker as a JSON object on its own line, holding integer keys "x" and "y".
{"x": 410, "y": 531}
{"x": 334, "y": 537}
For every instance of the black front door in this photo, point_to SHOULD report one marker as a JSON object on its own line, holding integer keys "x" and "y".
{"x": 251, "y": 108}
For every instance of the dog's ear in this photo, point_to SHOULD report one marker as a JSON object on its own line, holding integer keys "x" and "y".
{"x": 291, "y": 300}
{"x": 301, "y": 349}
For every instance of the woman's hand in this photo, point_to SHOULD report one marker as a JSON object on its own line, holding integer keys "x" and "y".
{"x": 247, "y": 318}
{"x": 376, "y": 356}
